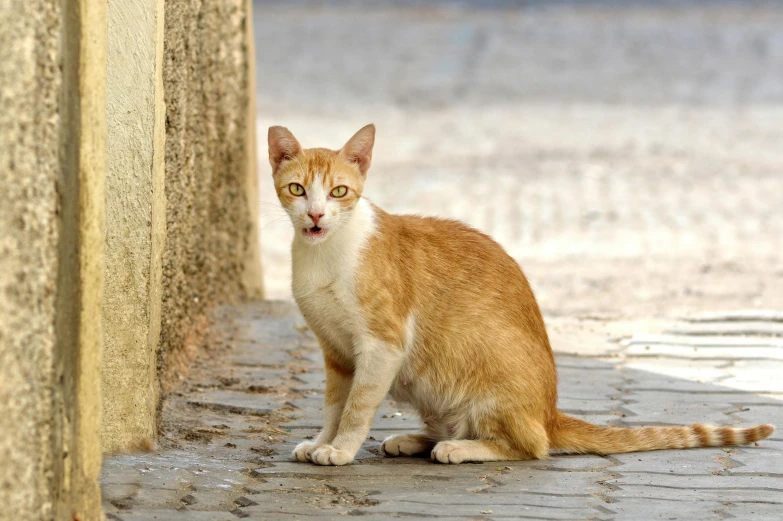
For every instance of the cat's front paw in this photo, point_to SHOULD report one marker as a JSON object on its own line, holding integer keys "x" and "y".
{"x": 328, "y": 455}
{"x": 303, "y": 452}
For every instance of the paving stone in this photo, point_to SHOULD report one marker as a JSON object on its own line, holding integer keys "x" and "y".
{"x": 676, "y": 408}
{"x": 272, "y": 323}
{"x": 727, "y": 398}
{"x": 238, "y": 402}
{"x": 736, "y": 327}
{"x": 773, "y": 484}
{"x": 171, "y": 514}
{"x": 573, "y": 365}
{"x": 766, "y": 458}
{"x": 473, "y": 507}
{"x": 699, "y": 371}
{"x": 414, "y": 467}
{"x": 389, "y": 416}
{"x": 616, "y": 419}
{"x": 634, "y": 509}
{"x": 760, "y": 511}
{"x": 310, "y": 382}
{"x": 655, "y": 382}
{"x": 742, "y": 315}
{"x": 542, "y": 482}
{"x": 250, "y": 356}
{"x": 581, "y": 407}
{"x": 669, "y": 415}
{"x": 691, "y": 352}
{"x": 690, "y": 345}
{"x": 594, "y": 389}
{"x": 702, "y": 461}
{"x": 118, "y": 493}
{"x": 750, "y": 413}
{"x": 571, "y": 462}
{"x": 685, "y": 495}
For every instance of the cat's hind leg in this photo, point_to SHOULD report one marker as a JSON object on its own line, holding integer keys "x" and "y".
{"x": 407, "y": 444}
{"x": 501, "y": 437}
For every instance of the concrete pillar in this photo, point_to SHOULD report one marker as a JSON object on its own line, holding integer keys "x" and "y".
{"x": 136, "y": 225}
{"x": 252, "y": 276}
{"x": 52, "y": 127}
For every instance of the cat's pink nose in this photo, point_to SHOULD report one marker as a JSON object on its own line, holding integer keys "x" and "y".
{"x": 315, "y": 217}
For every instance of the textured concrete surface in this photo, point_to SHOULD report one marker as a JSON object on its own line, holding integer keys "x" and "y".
{"x": 135, "y": 224}
{"x": 229, "y": 432}
{"x": 52, "y": 129}
{"x": 28, "y": 255}
{"x": 212, "y": 240}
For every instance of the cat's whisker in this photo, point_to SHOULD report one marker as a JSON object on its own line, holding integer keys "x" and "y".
{"x": 270, "y": 204}
{"x": 281, "y": 220}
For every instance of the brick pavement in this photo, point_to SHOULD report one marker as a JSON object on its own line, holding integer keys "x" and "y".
{"x": 220, "y": 459}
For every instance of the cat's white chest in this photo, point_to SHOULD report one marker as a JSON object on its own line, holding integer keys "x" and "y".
{"x": 327, "y": 300}
{"x": 324, "y": 281}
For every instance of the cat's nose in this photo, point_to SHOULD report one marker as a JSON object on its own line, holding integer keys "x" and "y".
{"x": 315, "y": 217}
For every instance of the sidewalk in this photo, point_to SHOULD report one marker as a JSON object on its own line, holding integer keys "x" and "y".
{"x": 228, "y": 434}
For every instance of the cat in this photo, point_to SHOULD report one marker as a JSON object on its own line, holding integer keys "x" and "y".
{"x": 438, "y": 315}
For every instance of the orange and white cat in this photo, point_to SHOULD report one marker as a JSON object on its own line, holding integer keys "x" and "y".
{"x": 438, "y": 315}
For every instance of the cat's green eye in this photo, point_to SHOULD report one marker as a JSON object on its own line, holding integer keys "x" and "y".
{"x": 296, "y": 189}
{"x": 339, "y": 191}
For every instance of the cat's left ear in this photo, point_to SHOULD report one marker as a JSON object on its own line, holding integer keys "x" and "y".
{"x": 358, "y": 149}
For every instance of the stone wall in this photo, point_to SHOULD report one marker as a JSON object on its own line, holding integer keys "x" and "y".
{"x": 115, "y": 238}
{"x": 52, "y": 129}
{"x": 211, "y": 250}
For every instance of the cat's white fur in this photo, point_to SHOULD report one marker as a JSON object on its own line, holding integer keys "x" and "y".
{"x": 324, "y": 276}
{"x": 323, "y": 284}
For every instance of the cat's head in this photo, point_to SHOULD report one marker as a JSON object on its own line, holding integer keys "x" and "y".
{"x": 317, "y": 187}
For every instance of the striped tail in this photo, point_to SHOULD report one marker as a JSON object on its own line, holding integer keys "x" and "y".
{"x": 572, "y": 434}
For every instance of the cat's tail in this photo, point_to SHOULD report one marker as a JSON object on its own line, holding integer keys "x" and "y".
{"x": 575, "y": 435}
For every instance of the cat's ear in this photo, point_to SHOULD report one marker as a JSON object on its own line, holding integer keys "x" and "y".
{"x": 358, "y": 149}
{"x": 282, "y": 146}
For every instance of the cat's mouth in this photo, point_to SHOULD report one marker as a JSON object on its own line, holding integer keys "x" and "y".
{"x": 314, "y": 232}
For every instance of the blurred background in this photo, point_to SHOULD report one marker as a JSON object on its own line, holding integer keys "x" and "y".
{"x": 628, "y": 154}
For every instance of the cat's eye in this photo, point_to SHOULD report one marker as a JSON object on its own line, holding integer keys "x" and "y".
{"x": 296, "y": 189}
{"x": 339, "y": 191}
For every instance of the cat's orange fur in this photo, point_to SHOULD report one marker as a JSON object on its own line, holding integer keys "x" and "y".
{"x": 437, "y": 314}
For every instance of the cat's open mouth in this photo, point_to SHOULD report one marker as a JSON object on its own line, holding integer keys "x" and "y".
{"x": 314, "y": 231}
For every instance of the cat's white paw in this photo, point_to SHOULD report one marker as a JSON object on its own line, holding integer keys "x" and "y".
{"x": 304, "y": 450}
{"x": 328, "y": 455}
{"x": 449, "y": 452}
{"x": 403, "y": 445}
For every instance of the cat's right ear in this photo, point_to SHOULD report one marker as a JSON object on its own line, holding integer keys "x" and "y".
{"x": 282, "y": 146}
